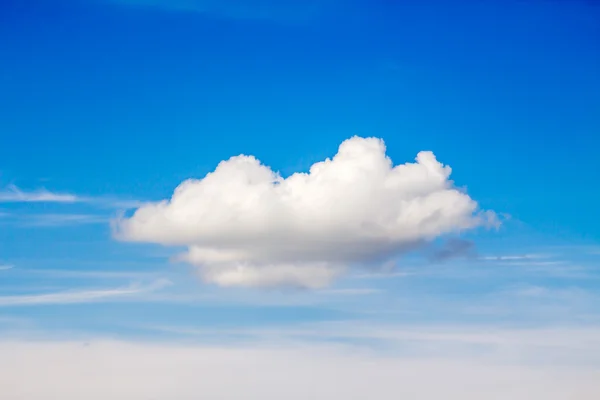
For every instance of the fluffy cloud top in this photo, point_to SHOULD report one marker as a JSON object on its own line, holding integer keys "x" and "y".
{"x": 245, "y": 225}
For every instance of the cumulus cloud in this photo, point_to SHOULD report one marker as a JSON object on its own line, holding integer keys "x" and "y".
{"x": 245, "y": 225}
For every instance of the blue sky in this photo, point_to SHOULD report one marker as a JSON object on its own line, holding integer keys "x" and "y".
{"x": 106, "y": 105}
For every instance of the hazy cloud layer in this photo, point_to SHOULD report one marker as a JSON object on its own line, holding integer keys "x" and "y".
{"x": 245, "y": 225}
{"x": 99, "y": 370}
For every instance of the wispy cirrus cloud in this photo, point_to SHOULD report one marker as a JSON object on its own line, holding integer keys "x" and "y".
{"x": 89, "y": 274}
{"x": 53, "y": 220}
{"x": 5, "y": 267}
{"x": 516, "y": 257}
{"x": 82, "y": 296}
{"x": 417, "y": 336}
{"x": 350, "y": 291}
{"x": 383, "y": 275}
{"x": 549, "y": 264}
{"x": 14, "y": 194}
{"x": 565, "y": 295}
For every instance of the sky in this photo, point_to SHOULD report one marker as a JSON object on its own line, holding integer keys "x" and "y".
{"x": 330, "y": 199}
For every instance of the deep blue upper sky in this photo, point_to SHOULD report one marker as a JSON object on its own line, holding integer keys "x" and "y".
{"x": 105, "y": 97}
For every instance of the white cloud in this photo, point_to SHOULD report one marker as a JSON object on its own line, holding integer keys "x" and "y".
{"x": 245, "y": 225}
{"x": 98, "y": 370}
{"x": 6, "y": 267}
{"x": 82, "y": 296}
{"x": 12, "y": 194}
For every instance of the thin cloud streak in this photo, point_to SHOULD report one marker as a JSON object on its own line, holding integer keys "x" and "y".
{"x": 383, "y": 275}
{"x": 82, "y": 296}
{"x": 520, "y": 257}
{"x": 66, "y": 273}
{"x": 13, "y": 194}
{"x": 52, "y": 220}
{"x": 570, "y": 338}
{"x": 41, "y": 220}
{"x": 350, "y": 291}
